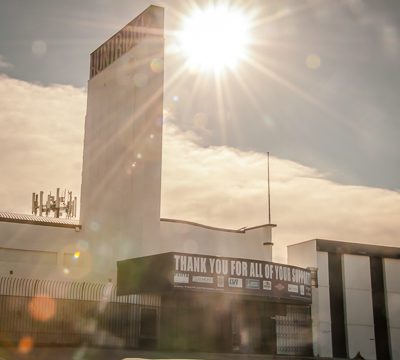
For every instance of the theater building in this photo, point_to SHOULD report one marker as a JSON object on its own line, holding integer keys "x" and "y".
{"x": 196, "y": 287}
{"x": 218, "y": 289}
{"x": 211, "y": 303}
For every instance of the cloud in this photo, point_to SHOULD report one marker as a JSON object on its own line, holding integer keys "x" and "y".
{"x": 225, "y": 187}
{"x": 5, "y": 64}
{"x": 41, "y": 140}
{"x": 41, "y": 137}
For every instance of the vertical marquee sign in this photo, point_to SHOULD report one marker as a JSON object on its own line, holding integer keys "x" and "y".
{"x": 165, "y": 272}
{"x": 148, "y": 24}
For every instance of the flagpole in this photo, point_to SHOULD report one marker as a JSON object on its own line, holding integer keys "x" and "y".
{"x": 269, "y": 192}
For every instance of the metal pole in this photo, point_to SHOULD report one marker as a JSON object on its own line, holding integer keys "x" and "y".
{"x": 75, "y": 205}
{"x": 57, "y": 212}
{"x": 33, "y": 204}
{"x": 41, "y": 203}
{"x": 48, "y": 203}
{"x": 269, "y": 193}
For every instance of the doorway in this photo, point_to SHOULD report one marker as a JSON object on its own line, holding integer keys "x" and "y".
{"x": 254, "y": 327}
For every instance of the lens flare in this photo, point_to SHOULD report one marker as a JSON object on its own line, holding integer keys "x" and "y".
{"x": 25, "y": 345}
{"x": 313, "y": 61}
{"x": 157, "y": 65}
{"x": 42, "y": 308}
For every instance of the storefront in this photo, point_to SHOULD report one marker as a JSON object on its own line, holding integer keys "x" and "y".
{"x": 217, "y": 304}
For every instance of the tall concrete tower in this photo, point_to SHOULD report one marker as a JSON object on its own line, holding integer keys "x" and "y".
{"x": 121, "y": 177}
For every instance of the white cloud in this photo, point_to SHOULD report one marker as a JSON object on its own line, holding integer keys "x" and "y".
{"x": 41, "y": 137}
{"x": 5, "y": 64}
{"x": 225, "y": 187}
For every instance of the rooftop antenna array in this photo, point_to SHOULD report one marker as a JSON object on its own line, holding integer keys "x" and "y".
{"x": 55, "y": 204}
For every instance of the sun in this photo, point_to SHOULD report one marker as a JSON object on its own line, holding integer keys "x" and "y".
{"x": 215, "y": 38}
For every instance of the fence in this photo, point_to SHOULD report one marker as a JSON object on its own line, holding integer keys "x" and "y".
{"x": 71, "y": 313}
{"x": 294, "y": 331}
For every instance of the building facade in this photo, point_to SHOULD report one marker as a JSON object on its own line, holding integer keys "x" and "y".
{"x": 181, "y": 285}
{"x": 356, "y": 306}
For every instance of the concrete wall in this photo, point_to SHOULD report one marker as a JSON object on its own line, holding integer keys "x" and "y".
{"x": 186, "y": 237}
{"x": 303, "y": 254}
{"x": 359, "y": 317}
{"x": 321, "y": 311}
{"x": 357, "y": 296}
{"x": 121, "y": 176}
{"x": 36, "y": 251}
{"x": 48, "y": 252}
{"x": 392, "y": 285}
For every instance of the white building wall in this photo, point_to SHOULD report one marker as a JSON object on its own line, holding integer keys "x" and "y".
{"x": 392, "y": 287}
{"x": 359, "y": 320}
{"x": 305, "y": 255}
{"x": 321, "y": 311}
{"x": 190, "y": 238}
{"x": 36, "y": 251}
{"x": 121, "y": 176}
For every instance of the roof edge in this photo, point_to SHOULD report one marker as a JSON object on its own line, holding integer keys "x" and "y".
{"x": 39, "y": 220}
{"x": 240, "y": 231}
{"x": 351, "y": 248}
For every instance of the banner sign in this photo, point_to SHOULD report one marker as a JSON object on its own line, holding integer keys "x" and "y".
{"x": 149, "y": 22}
{"x": 217, "y": 274}
{"x": 241, "y": 275}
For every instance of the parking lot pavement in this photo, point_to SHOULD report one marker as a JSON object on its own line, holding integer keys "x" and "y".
{"x": 83, "y": 353}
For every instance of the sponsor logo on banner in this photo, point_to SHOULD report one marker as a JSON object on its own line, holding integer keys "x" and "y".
{"x": 181, "y": 278}
{"x": 220, "y": 281}
{"x": 279, "y": 287}
{"x": 252, "y": 284}
{"x": 267, "y": 285}
{"x": 301, "y": 289}
{"x": 293, "y": 288}
{"x": 235, "y": 282}
{"x": 203, "y": 279}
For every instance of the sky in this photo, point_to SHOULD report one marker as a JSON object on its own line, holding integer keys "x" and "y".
{"x": 319, "y": 91}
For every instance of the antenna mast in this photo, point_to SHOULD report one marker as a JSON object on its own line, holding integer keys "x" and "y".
{"x": 55, "y": 204}
{"x": 269, "y": 192}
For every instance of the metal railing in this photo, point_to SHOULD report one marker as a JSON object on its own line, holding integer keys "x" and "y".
{"x": 70, "y": 313}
